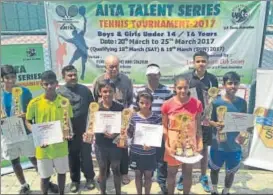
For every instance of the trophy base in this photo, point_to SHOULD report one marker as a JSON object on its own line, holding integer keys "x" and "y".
{"x": 189, "y": 152}
{"x": 179, "y": 152}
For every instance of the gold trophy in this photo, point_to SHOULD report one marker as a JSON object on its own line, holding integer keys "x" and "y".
{"x": 125, "y": 122}
{"x": 188, "y": 149}
{"x": 212, "y": 93}
{"x": 16, "y": 94}
{"x": 93, "y": 108}
{"x": 183, "y": 121}
{"x": 3, "y": 110}
{"x": 221, "y": 111}
{"x": 67, "y": 131}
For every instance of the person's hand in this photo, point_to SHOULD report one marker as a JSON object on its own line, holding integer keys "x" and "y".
{"x": 88, "y": 137}
{"x": 22, "y": 115}
{"x": 170, "y": 151}
{"x": 69, "y": 137}
{"x": 44, "y": 145}
{"x": 219, "y": 126}
{"x": 199, "y": 147}
{"x": 146, "y": 147}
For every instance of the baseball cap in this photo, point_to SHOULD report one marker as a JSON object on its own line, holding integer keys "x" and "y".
{"x": 152, "y": 70}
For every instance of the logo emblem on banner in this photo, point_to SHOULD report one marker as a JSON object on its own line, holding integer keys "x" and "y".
{"x": 239, "y": 14}
{"x": 67, "y": 15}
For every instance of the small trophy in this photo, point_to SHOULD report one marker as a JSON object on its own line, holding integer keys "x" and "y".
{"x": 125, "y": 122}
{"x": 221, "y": 110}
{"x": 16, "y": 94}
{"x": 66, "y": 119}
{"x": 183, "y": 121}
{"x": 93, "y": 108}
{"x": 242, "y": 138}
{"x": 212, "y": 93}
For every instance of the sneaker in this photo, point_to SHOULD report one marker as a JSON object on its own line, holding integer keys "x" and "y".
{"x": 54, "y": 188}
{"x": 74, "y": 187}
{"x": 205, "y": 183}
{"x": 24, "y": 189}
{"x": 90, "y": 184}
{"x": 223, "y": 192}
{"x": 179, "y": 185}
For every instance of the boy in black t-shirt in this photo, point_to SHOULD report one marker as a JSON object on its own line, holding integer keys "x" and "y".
{"x": 105, "y": 149}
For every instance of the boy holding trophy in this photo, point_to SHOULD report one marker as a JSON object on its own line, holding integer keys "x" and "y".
{"x": 51, "y": 107}
{"x": 181, "y": 118}
{"x": 105, "y": 148}
{"x": 14, "y": 101}
{"x": 224, "y": 147}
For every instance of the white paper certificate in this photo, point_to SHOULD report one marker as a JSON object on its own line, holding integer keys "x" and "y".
{"x": 189, "y": 160}
{"x": 13, "y": 130}
{"x": 235, "y": 122}
{"x": 148, "y": 134}
{"x": 47, "y": 133}
{"x": 107, "y": 121}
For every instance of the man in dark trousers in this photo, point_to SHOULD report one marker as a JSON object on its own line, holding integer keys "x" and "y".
{"x": 201, "y": 80}
{"x": 79, "y": 152}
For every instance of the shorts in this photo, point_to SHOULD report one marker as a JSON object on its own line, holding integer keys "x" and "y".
{"x": 46, "y": 166}
{"x": 207, "y": 135}
{"x": 16, "y": 150}
{"x": 232, "y": 160}
{"x": 143, "y": 162}
{"x": 104, "y": 155}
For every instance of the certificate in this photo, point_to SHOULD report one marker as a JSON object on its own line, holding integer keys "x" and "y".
{"x": 107, "y": 121}
{"x": 13, "y": 130}
{"x": 148, "y": 134}
{"x": 189, "y": 160}
{"x": 236, "y": 122}
{"x": 47, "y": 133}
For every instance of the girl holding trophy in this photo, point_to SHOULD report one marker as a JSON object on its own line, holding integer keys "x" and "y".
{"x": 143, "y": 158}
{"x": 181, "y": 117}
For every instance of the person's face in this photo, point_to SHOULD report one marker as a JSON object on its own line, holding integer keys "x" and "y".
{"x": 231, "y": 87}
{"x": 9, "y": 80}
{"x": 49, "y": 86}
{"x": 182, "y": 89}
{"x": 144, "y": 104}
{"x": 200, "y": 63}
{"x": 71, "y": 77}
{"x": 153, "y": 78}
{"x": 107, "y": 93}
{"x": 112, "y": 68}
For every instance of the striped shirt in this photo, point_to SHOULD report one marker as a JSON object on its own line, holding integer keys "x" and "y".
{"x": 161, "y": 94}
{"x": 153, "y": 119}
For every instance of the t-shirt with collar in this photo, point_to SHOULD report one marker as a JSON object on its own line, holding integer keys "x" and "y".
{"x": 160, "y": 94}
{"x": 101, "y": 140}
{"x": 41, "y": 110}
{"x": 124, "y": 89}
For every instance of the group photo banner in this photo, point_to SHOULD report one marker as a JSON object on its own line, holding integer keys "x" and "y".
{"x": 28, "y": 60}
{"x": 167, "y": 33}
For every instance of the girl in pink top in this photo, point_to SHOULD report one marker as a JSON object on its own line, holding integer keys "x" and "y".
{"x": 181, "y": 103}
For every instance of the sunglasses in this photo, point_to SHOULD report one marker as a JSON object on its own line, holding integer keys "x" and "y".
{"x": 203, "y": 61}
{"x": 233, "y": 83}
